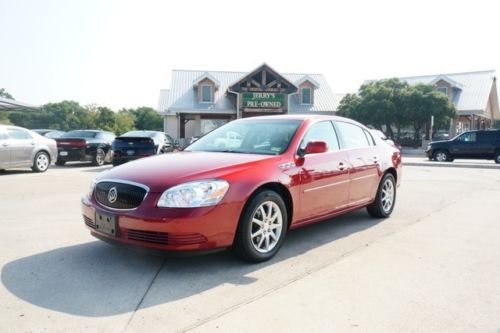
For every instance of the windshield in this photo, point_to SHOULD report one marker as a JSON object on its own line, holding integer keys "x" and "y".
{"x": 79, "y": 134}
{"x": 140, "y": 134}
{"x": 268, "y": 137}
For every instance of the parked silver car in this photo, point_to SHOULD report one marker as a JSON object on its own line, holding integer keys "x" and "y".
{"x": 20, "y": 147}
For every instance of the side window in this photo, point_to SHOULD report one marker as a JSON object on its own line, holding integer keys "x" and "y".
{"x": 168, "y": 138}
{"x": 18, "y": 134}
{"x": 322, "y": 131}
{"x": 485, "y": 137}
{"x": 371, "y": 141}
{"x": 468, "y": 137}
{"x": 353, "y": 135}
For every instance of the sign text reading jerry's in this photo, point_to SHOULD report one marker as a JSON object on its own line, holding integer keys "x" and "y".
{"x": 263, "y": 100}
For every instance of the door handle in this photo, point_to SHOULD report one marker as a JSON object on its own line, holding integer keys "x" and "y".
{"x": 5, "y": 144}
{"x": 342, "y": 166}
{"x": 375, "y": 160}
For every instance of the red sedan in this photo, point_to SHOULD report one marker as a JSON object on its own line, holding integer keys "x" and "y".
{"x": 244, "y": 185}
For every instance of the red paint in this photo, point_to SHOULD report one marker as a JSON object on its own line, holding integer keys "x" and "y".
{"x": 321, "y": 185}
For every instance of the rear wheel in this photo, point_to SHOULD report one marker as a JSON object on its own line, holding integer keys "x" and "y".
{"x": 262, "y": 227}
{"x": 99, "y": 157}
{"x": 41, "y": 162}
{"x": 385, "y": 199}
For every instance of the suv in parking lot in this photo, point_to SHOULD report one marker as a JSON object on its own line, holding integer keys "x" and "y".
{"x": 483, "y": 144}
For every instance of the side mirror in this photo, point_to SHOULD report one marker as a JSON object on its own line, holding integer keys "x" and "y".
{"x": 316, "y": 147}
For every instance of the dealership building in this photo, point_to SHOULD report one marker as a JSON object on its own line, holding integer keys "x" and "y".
{"x": 199, "y": 101}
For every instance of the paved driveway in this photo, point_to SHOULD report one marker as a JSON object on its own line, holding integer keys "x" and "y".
{"x": 434, "y": 265}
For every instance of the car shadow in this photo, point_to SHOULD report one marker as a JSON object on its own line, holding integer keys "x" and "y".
{"x": 97, "y": 280}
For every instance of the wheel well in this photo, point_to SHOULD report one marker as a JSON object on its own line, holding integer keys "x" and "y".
{"x": 282, "y": 191}
{"x": 393, "y": 172}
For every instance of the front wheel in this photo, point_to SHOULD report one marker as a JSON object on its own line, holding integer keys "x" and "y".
{"x": 41, "y": 162}
{"x": 497, "y": 157}
{"x": 262, "y": 227}
{"x": 386, "y": 198}
{"x": 441, "y": 156}
{"x": 99, "y": 157}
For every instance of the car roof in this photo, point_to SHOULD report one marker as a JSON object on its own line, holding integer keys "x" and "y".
{"x": 310, "y": 117}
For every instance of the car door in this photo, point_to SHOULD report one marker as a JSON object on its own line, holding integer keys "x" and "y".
{"x": 464, "y": 145}
{"x": 364, "y": 170}
{"x": 324, "y": 177}
{"x": 4, "y": 149}
{"x": 21, "y": 146}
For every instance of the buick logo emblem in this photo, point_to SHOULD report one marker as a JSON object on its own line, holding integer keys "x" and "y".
{"x": 112, "y": 195}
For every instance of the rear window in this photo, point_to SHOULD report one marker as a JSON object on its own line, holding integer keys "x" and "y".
{"x": 140, "y": 134}
{"x": 79, "y": 134}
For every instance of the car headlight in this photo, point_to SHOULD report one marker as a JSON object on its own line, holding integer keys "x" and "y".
{"x": 88, "y": 195}
{"x": 194, "y": 194}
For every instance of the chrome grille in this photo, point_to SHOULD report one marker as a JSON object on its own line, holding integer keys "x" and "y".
{"x": 128, "y": 196}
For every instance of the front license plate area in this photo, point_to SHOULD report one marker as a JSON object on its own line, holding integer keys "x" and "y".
{"x": 63, "y": 153}
{"x": 106, "y": 224}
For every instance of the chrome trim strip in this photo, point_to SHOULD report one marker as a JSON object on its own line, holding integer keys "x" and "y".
{"x": 363, "y": 177}
{"x": 325, "y": 186}
{"x": 114, "y": 180}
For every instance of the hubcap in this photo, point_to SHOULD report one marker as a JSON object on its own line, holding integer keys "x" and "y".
{"x": 267, "y": 224}
{"x": 441, "y": 157}
{"x": 387, "y": 195}
{"x": 42, "y": 162}
{"x": 100, "y": 157}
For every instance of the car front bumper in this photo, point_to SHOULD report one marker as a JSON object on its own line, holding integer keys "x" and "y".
{"x": 167, "y": 229}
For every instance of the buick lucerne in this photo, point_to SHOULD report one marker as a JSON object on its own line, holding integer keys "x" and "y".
{"x": 276, "y": 173}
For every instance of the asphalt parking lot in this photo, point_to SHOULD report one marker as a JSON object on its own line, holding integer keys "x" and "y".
{"x": 433, "y": 266}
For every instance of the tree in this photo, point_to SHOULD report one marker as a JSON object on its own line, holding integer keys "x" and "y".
{"x": 394, "y": 103}
{"x": 147, "y": 118}
{"x": 5, "y": 94}
{"x": 105, "y": 119}
{"x": 124, "y": 122}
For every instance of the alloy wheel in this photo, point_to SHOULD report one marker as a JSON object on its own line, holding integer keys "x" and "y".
{"x": 441, "y": 156}
{"x": 42, "y": 162}
{"x": 387, "y": 195}
{"x": 266, "y": 228}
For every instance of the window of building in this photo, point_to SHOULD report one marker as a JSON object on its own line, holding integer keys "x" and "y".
{"x": 306, "y": 96}
{"x": 322, "y": 131}
{"x": 206, "y": 93}
{"x": 444, "y": 90}
{"x": 353, "y": 135}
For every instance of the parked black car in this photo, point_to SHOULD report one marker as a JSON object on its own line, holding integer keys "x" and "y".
{"x": 85, "y": 145}
{"x": 474, "y": 144}
{"x": 49, "y": 133}
{"x": 136, "y": 144}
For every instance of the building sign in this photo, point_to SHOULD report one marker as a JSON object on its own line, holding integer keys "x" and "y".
{"x": 263, "y": 100}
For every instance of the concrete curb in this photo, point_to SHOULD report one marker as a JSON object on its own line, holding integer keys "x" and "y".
{"x": 452, "y": 165}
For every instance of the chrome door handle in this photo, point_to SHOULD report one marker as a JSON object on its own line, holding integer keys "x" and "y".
{"x": 342, "y": 166}
{"x": 375, "y": 160}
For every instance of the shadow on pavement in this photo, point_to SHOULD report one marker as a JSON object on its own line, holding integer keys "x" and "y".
{"x": 97, "y": 280}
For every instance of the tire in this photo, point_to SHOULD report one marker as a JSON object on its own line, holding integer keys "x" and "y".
{"x": 60, "y": 163}
{"x": 99, "y": 157}
{"x": 41, "y": 162}
{"x": 497, "y": 157}
{"x": 385, "y": 200}
{"x": 257, "y": 242}
{"x": 441, "y": 156}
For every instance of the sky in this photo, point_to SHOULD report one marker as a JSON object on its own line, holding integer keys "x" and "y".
{"x": 120, "y": 53}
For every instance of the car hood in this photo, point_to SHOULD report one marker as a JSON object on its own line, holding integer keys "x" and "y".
{"x": 163, "y": 171}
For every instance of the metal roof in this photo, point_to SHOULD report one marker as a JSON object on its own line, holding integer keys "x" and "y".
{"x": 471, "y": 90}
{"x": 7, "y": 104}
{"x": 182, "y": 95}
